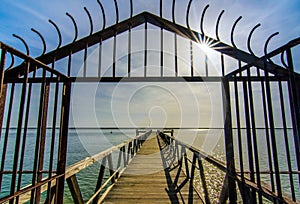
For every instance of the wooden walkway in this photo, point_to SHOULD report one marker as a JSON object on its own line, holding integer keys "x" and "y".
{"x": 151, "y": 178}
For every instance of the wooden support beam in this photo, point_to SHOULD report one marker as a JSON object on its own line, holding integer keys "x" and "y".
{"x": 203, "y": 180}
{"x": 75, "y": 190}
{"x": 100, "y": 178}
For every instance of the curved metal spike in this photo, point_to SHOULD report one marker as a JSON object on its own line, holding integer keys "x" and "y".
{"x": 173, "y": 11}
{"x": 90, "y": 19}
{"x": 103, "y": 14}
{"x": 202, "y": 18}
{"x": 131, "y": 9}
{"x": 75, "y": 26}
{"x": 188, "y": 14}
{"x": 217, "y": 25}
{"x": 249, "y": 38}
{"x": 117, "y": 11}
{"x": 283, "y": 60}
{"x": 232, "y": 31}
{"x": 12, "y": 61}
{"x": 24, "y": 42}
{"x": 58, "y": 32}
{"x": 42, "y": 38}
{"x": 267, "y": 43}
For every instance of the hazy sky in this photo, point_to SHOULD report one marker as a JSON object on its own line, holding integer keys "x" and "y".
{"x": 149, "y": 104}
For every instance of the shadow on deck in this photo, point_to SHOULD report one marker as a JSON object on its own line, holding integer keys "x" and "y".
{"x": 154, "y": 176}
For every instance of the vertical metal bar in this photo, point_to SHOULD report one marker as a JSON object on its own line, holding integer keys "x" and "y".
{"x": 7, "y": 128}
{"x": 63, "y": 141}
{"x": 38, "y": 137}
{"x": 286, "y": 141}
{"x": 100, "y": 178}
{"x": 53, "y": 66}
{"x": 294, "y": 106}
{"x": 2, "y": 106}
{"x": 84, "y": 60}
{"x": 114, "y": 54}
{"x": 192, "y": 58}
{"x": 19, "y": 131}
{"x": 229, "y": 141}
{"x": 176, "y": 58}
{"x": 53, "y": 135}
{"x": 161, "y": 52}
{"x": 273, "y": 135}
{"x": 145, "y": 52}
{"x": 3, "y": 88}
{"x": 254, "y": 137}
{"x": 129, "y": 50}
{"x": 267, "y": 133}
{"x": 24, "y": 139}
{"x": 249, "y": 139}
{"x": 2, "y": 64}
{"x": 69, "y": 63}
{"x": 223, "y": 64}
{"x": 100, "y": 57}
{"x": 238, "y": 123}
{"x": 43, "y": 140}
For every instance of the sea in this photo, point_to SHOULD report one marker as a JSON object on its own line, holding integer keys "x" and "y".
{"x": 85, "y": 142}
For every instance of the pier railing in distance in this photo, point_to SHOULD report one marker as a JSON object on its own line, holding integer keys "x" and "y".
{"x": 191, "y": 160}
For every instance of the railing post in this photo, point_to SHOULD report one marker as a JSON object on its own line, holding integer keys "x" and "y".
{"x": 2, "y": 64}
{"x": 3, "y": 87}
{"x": 2, "y": 105}
{"x": 228, "y": 140}
{"x": 293, "y": 88}
{"x": 63, "y": 140}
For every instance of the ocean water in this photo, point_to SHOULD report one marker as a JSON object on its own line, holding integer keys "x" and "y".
{"x": 83, "y": 143}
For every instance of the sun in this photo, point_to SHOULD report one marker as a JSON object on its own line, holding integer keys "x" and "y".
{"x": 205, "y": 47}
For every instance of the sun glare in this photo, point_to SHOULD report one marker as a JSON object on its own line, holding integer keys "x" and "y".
{"x": 205, "y": 47}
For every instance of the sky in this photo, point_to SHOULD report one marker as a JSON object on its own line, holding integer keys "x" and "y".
{"x": 149, "y": 104}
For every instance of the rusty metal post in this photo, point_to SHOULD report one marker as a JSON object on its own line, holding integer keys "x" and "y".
{"x": 229, "y": 140}
{"x": 293, "y": 87}
{"x": 2, "y": 64}
{"x": 63, "y": 141}
{"x": 3, "y": 87}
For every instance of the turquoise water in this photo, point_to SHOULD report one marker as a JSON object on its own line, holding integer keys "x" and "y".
{"x": 83, "y": 143}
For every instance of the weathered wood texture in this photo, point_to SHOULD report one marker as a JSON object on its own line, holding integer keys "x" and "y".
{"x": 148, "y": 178}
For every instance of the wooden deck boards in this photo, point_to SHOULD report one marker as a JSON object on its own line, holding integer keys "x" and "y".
{"x": 147, "y": 180}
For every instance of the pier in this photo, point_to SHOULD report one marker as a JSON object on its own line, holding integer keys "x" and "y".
{"x": 153, "y": 176}
{"x": 257, "y": 100}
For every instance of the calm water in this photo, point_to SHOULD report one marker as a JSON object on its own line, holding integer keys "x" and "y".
{"x": 86, "y": 142}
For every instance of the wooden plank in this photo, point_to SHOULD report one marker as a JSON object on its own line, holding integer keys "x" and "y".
{"x": 148, "y": 179}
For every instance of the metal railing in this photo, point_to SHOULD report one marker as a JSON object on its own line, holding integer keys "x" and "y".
{"x": 192, "y": 160}
{"x": 19, "y": 95}
{"x": 126, "y": 151}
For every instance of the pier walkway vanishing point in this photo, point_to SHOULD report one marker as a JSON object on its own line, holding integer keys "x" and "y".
{"x": 153, "y": 176}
